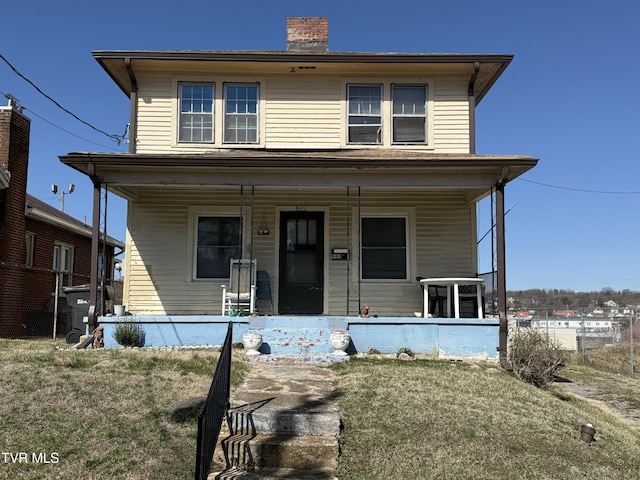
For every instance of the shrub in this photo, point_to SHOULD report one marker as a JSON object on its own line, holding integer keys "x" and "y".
{"x": 535, "y": 357}
{"x": 129, "y": 334}
{"x": 406, "y": 350}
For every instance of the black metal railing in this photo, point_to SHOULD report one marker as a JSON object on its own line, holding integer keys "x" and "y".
{"x": 214, "y": 410}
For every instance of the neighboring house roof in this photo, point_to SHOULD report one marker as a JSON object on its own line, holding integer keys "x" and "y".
{"x": 120, "y": 64}
{"x": 4, "y": 179}
{"x": 39, "y": 210}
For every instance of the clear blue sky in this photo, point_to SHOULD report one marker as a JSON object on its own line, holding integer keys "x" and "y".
{"x": 569, "y": 98}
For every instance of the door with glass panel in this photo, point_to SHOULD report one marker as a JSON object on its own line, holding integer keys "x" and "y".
{"x": 301, "y": 284}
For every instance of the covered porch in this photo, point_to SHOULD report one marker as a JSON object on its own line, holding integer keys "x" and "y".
{"x": 433, "y": 196}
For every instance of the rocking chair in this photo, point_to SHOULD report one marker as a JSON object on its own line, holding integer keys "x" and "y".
{"x": 239, "y": 298}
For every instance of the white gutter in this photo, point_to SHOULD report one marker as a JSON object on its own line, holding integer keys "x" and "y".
{"x": 82, "y": 230}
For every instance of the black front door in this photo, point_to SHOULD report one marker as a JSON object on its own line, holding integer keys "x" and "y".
{"x": 301, "y": 285}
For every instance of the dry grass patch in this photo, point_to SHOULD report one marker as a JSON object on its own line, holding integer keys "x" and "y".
{"x": 102, "y": 412}
{"x": 435, "y": 419}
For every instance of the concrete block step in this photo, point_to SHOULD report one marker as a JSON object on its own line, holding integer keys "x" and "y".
{"x": 299, "y": 359}
{"x": 304, "y": 341}
{"x": 281, "y": 451}
{"x": 274, "y": 474}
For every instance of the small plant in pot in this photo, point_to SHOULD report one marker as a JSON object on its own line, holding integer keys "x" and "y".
{"x": 129, "y": 334}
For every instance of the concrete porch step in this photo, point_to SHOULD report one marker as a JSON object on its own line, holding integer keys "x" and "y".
{"x": 283, "y": 423}
{"x": 311, "y": 359}
{"x": 281, "y": 451}
{"x": 274, "y": 474}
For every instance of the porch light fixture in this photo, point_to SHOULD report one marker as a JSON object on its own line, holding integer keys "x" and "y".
{"x": 263, "y": 229}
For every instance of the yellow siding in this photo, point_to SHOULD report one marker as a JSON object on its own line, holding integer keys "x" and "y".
{"x": 158, "y": 264}
{"x": 299, "y": 112}
{"x": 303, "y": 113}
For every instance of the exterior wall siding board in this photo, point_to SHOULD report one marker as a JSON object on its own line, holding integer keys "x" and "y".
{"x": 158, "y": 269}
{"x": 301, "y": 112}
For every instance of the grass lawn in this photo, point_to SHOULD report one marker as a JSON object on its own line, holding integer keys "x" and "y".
{"x": 101, "y": 413}
{"x": 451, "y": 420}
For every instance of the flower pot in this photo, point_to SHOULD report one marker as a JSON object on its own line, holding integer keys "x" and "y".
{"x": 340, "y": 341}
{"x": 252, "y": 341}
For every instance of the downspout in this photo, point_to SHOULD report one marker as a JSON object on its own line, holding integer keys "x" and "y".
{"x": 501, "y": 283}
{"x": 472, "y": 108}
{"x": 133, "y": 113}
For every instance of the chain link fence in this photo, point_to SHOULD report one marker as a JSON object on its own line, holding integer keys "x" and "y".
{"x": 33, "y": 301}
{"x": 607, "y": 340}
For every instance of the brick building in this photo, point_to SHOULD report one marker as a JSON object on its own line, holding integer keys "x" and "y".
{"x": 40, "y": 246}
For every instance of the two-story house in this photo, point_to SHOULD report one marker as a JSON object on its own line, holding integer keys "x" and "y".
{"x": 346, "y": 175}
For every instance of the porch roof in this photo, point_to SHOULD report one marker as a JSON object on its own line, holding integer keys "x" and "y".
{"x": 334, "y": 168}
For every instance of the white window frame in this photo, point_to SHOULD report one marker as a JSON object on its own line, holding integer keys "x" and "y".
{"x": 228, "y": 116}
{"x": 395, "y": 115}
{"x": 196, "y": 212}
{"x": 350, "y": 114}
{"x": 30, "y": 248}
{"x": 61, "y": 253}
{"x": 408, "y": 216}
{"x": 386, "y": 134}
{"x": 203, "y": 115}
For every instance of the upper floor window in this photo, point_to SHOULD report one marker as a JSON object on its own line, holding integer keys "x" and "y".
{"x": 217, "y": 242}
{"x": 409, "y": 113}
{"x": 240, "y": 113}
{"x": 384, "y": 248}
{"x": 196, "y": 112}
{"x": 30, "y": 243}
{"x": 364, "y": 106}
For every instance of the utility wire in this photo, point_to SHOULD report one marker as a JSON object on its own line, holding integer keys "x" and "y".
{"x": 67, "y": 131}
{"x": 116, "y": 138}
{"x": 579, "y": 189}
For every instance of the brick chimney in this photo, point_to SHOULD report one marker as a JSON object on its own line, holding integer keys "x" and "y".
{"x": 14, "y": 157}
{"x": 307, "y": 34}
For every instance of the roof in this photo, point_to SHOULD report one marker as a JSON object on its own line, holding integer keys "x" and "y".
{"x": 39, "y": 210}
{"x": 373, "y": 167}
{"x": 121, "y": 65}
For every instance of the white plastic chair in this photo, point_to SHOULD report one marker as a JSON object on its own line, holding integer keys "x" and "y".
{"x": 239, "y": 298}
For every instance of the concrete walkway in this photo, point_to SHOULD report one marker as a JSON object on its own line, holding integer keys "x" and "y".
{"x": 285, "y": 424}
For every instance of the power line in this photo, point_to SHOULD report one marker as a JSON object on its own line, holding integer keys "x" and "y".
{"x": 67, "y": 131}
{"x": 579, "y": 189}
{"x": 116, "y": 138}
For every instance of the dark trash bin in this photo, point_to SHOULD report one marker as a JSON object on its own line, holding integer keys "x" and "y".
{"x": 78, "y": 298}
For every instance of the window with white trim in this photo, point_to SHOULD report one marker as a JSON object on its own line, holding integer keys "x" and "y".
{"x": 241, "y": 113}
{"x": 217, "y": 241}
{"x": 196, "y": 112}
{"x": 409, "y": 113}
{"x": 63, "y": 264}
{"x": 30, "y": 244}
{"x": 364, "y": 107}
{"x": 384, "y": 251}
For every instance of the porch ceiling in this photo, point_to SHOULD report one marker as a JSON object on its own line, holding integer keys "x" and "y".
{"x": 340, "y": 168}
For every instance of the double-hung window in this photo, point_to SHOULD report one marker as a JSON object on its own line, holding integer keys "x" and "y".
{"x": 63, "y": 264}
{"x": 217, "y": 242}
{"x": 384, "y": 248}
{"x": 196, "y": 112}
{"x": 364, "y": 106}
{"x": 409, "y": 113}
{"x": 241, "y": 113}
